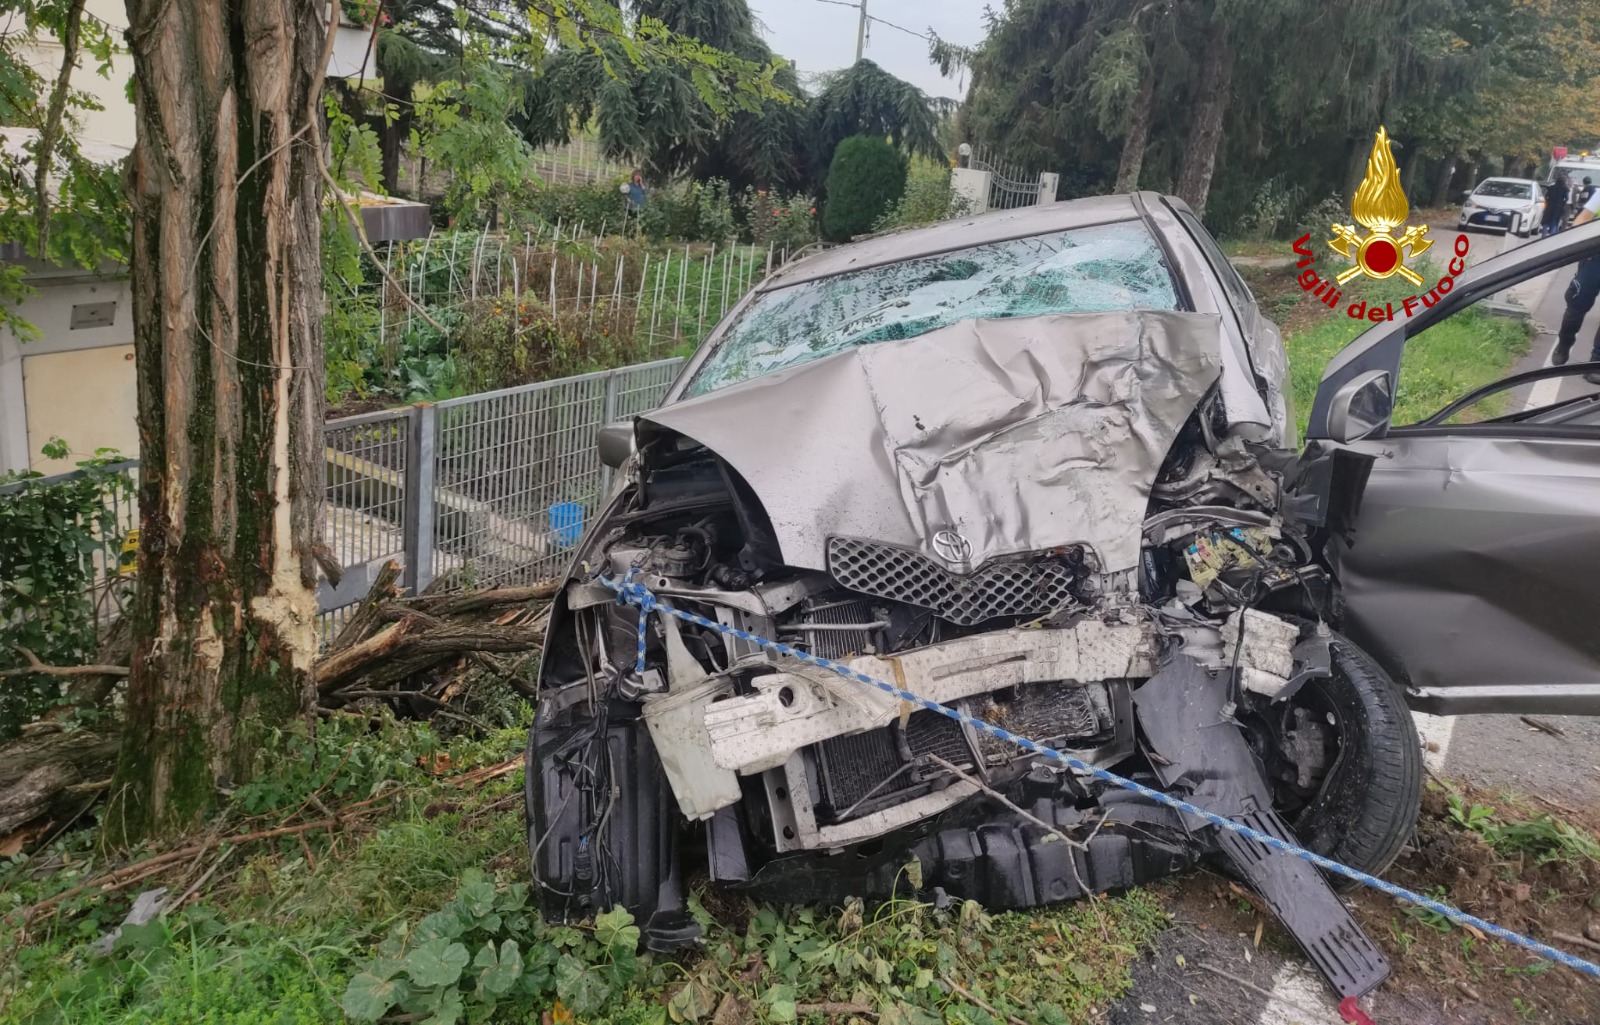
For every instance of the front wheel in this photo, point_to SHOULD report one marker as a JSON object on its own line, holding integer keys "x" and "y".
{"x": 1345, "y": 762}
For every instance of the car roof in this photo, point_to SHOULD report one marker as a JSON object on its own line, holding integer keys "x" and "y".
{"x": 960, "y": 233}
{"x": 1518, "y": 181}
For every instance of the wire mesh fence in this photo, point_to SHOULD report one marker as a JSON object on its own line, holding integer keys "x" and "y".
{"x": 487, "y": 490}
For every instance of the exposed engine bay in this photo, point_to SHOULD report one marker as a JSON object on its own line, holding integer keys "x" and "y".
{"x": 796, "y": 784}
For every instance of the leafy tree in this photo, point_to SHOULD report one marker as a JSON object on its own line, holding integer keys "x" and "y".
{"x": 57, "y": 203}
{"x": 866, "y": 178}
{"x": 228, "y": 184}
{"x": 863, "y": 99}
{"x": 1232, "y": 102}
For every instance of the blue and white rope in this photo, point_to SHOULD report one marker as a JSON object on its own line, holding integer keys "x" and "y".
{"x": 632, "y": 593}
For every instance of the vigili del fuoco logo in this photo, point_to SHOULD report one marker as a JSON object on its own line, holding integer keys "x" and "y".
{"x": 1380, "y": 206}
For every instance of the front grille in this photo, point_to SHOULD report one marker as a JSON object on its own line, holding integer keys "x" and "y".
{"x": 1028, "y": 586}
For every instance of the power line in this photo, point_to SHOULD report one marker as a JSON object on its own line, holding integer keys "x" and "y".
{"x": 882, "y": 21}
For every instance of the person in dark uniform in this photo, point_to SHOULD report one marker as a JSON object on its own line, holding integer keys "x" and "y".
{"x": 1580, "y": 298}
{"x": 1555, "y": 206}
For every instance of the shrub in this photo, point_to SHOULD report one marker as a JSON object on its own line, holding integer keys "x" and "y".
{"x": 50, "y": 537}
{"x": 697, "y": 212}
{"x": 783, "y": 222}
{"x": 597, "y": 205}
{"x": 928, "y": 199}
{"x": 867, "y": 177}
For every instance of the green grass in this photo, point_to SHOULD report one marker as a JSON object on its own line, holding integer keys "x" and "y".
{"x": 1256, "y": 247}
{"x": 1447, "y": 361}
{"x": 280, "y": 937}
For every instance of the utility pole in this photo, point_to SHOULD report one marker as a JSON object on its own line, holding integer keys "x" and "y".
{"x": 861, "y": 33}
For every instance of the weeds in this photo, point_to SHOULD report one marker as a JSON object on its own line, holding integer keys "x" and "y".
{"x": 426, "y": 916}
{"x": 1545, "y": 838}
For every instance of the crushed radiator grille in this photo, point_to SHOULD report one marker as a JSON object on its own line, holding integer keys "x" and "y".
{"x": 1030, "y": 586}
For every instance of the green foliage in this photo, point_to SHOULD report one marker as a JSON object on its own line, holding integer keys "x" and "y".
{"x": 1544, "y": 837}
{"x": 76, "y": 213}
{"x": 599, "y": 206}
{"x": 485, "y": 952}
{"x": 783, "y": 223}
{"x": 463, "y": 128}
{"x": 867, "y": 177}
{"x": 694, "y": 211}
{"x": 863, "y": 99}
{"x": 50, "y": 536}
{"x": 928, "y": 199}
{"x": 343, "y": 760}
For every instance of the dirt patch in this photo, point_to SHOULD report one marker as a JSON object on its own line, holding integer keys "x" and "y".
{"x": 356, "y": 407}
{"x": 1281, "y": 298}
{"x": 1443, "y": 973}
{"x": 1467, "y": 970}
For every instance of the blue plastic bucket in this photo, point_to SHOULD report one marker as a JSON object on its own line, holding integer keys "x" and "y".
{"x": 566, "y": 522}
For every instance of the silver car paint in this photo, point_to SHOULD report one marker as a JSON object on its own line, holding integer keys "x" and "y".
{"x": 1021, "y": 435}
{"x": 1473, "y": 568}
{"x": 1254, "y": 372}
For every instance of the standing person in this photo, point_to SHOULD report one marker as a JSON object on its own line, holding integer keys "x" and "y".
{"x": 636, "y": 194}
{"x": 1580, "y": 298}
{"x": 1555, "y": 206}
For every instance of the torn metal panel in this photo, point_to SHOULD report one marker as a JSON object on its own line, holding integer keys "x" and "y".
{"x": 899, "y": 441}
{"x": 1471, "y": 570}
{"x": 803, "y": 705}
{"x": 1186, "y": 713}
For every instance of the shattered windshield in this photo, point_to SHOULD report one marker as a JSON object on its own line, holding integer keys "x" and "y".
{"x": 1087, "y": 270}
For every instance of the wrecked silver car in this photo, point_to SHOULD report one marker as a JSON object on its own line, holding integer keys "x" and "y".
{"x": 1038, "y": 466}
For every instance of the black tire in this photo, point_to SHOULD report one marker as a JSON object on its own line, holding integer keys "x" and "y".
{"x": 1366, "y": 808}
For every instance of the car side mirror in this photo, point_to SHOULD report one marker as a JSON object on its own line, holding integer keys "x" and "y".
{"x": 615, "y": 442}
{"x": 1360, "y": 406}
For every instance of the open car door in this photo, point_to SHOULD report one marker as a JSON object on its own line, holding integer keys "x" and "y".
{"x": 1468, "y": 544}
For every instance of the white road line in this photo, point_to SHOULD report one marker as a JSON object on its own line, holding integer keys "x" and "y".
{"x": 1299, "y": 997}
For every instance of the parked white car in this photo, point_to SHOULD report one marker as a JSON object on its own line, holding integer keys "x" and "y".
{"x": 1504, "y": 204}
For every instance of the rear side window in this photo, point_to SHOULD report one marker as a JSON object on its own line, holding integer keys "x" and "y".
{"x": 1099, "y": 269}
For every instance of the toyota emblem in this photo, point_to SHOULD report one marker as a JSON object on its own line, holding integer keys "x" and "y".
{"x": 952, "y": 547}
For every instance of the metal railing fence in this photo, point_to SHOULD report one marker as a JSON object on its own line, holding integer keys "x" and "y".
{"x": 486, "y": 490}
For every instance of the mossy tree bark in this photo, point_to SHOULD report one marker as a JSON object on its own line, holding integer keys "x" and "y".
{"x": 226, "y": 187}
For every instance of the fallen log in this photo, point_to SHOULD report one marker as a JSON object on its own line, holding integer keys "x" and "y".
{"x": 384, "y": 645}
{"x": 37, "y": 770}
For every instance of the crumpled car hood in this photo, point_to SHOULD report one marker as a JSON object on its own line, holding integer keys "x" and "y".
{"x": 1020, "y": 434}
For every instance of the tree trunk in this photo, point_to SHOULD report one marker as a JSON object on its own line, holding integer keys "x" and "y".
{"x": 1133, "y": 144}
{"x": 397, "y": 91}
{"x": 1441, "y": 184}
{"x": 1205, "y": 131}
{"x": 1408, "y": 175}
{"x": 226, "y": 190}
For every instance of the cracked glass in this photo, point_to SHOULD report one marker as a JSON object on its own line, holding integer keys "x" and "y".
{"x": 1106, "y": 268}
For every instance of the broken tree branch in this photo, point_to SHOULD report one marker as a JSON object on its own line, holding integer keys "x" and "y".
{"x": 365, "y": 618}
{"x": 35, "y": 666}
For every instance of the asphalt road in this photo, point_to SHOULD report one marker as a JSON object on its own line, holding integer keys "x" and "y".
{"x": 1181, "y": 980}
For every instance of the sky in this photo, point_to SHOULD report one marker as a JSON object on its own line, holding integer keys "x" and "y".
{"x": 821, "y": 36}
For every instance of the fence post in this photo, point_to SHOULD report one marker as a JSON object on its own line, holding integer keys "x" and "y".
{"x": 608, "y": 416}
{"x": 419, "y": 475}
{"x": 1048, "y": 182}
